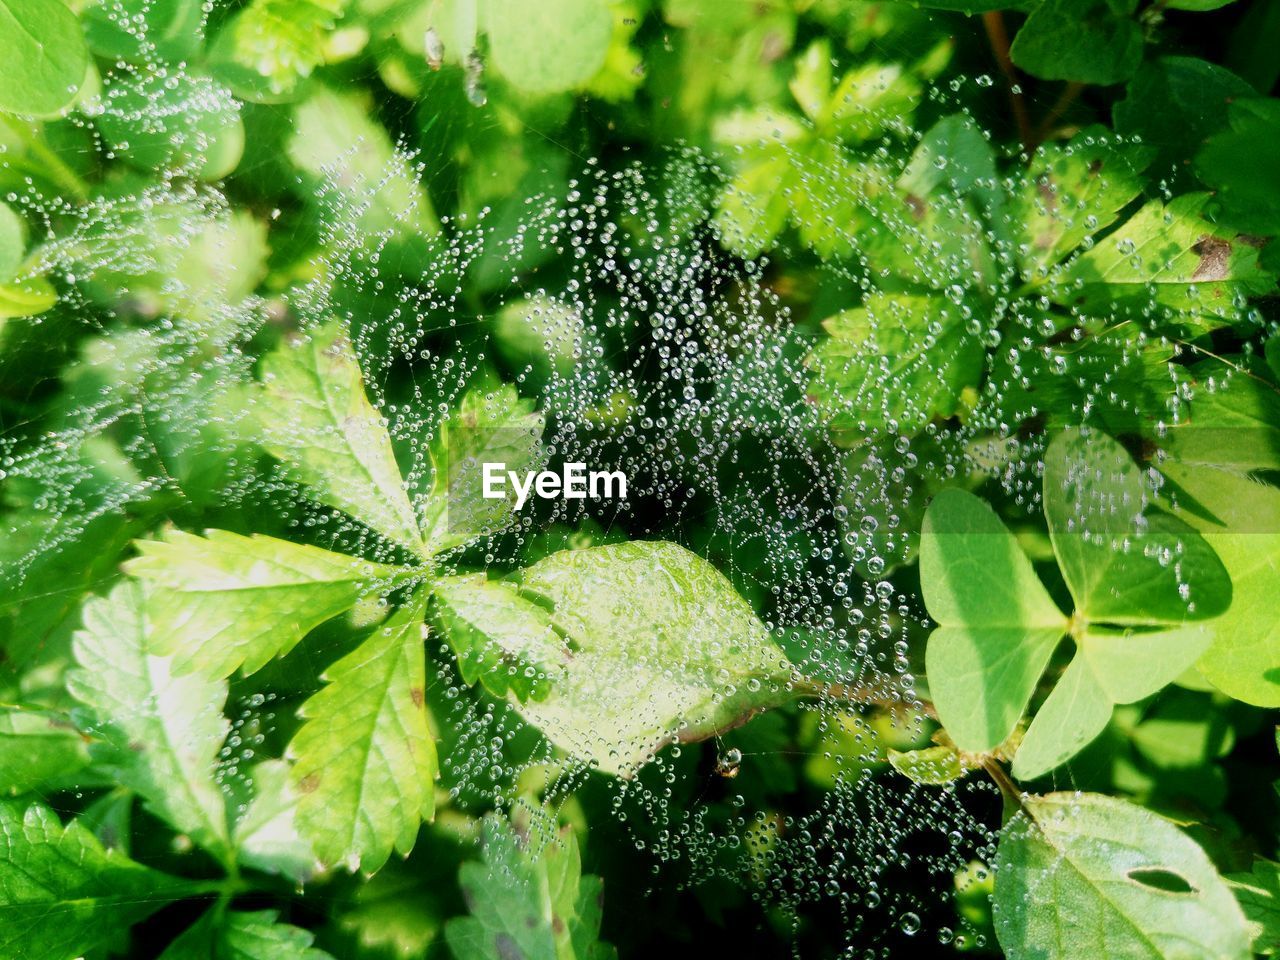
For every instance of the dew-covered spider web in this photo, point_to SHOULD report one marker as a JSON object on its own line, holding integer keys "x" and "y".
{"x": 631, "y": 303}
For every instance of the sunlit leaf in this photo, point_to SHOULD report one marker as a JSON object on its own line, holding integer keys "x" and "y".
{"x": 44, "y": 56}
{"x": 365, "y": 760}
{"x": 320, "y": 424}
{"x": 1080, "y": 874}
{"x": 660, "y": 648}
{"x": 998, "y": 625}
{"x": 162, "y": 732}
{"x": 224, "y": 601}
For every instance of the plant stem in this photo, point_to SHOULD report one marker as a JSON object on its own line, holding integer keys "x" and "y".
{"x": 998, "y": 36}
{"x": 861, "y": 695}
{"x": 1008, "y": 789}
{"x": 58, "y": 171}
{"x": 1068, "y": 96}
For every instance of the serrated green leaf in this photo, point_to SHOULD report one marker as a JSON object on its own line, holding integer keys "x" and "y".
{"x": 318, "y": 422}
{"x": 1082, "y": 874}
{"x": 547, "y": 46}
{"x": 1072, "y": 192}
{"x": 1089, "y": 41}
{"x": 895, "y": 363}
{"x": 1258, "y": 894}
{"x": 162, "y": 732}
{"x": 61, "y": 894}
{"x": 223, "y": 601}
{"x": 1242, "y": 165}
{"x": 488, "y": 426}
{"x": 236, "y": 935}
{"x": 529, "y": 898}
{"x": 44, "y": 56}
{"x": 998, "y": 625}
{"x": 36, "y": 747}
{"x": 1233, "y": 426}
{"x": 269, "y": 46}
{"x": 365, "y": 760}
{"x": 1167, "y": 255}
{"x": 1121, "y": 565}
{"x": 662, "y": 649}
{"x": 501, "y": 639}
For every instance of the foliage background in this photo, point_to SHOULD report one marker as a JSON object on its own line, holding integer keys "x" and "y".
{"x": 127, "y": 277}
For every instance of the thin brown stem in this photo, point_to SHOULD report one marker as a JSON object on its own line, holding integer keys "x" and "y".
{"x": 998, "y": 36}
{"x": 1070, "y": 93}
{"x": 1008, "y": 789}
{"x": 860, "y": 695}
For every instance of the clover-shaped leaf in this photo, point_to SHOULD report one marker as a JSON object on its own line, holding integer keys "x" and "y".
{"x": 1138, "y": 583}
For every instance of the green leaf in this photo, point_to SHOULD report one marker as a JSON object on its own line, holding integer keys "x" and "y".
{"x": 1122, "y": 566}
{"x": 932, "y": 766}
{"x": 61, "y": 894}
{"x": 488, "y": 426}
{"x": 266, "y": 835}
{"x": 529, "y": 898}
{"x": 998, "y": 625}
{"x": 12, "y": 243}
{"x": 44, "y": 56}
{"x": 547, "y": 46}
{"x": 1167, "y": 255}
{"x": 365, "y": 186}
{"x": 37, "y": 747}
{"x": 162, "y": 732}
{"x": 1242, "y": 165}
{"x": 1086, "y": 875}
{"x": 659, "y": 648}
{"x": 1075, "y": 712}
{"x": 1073, "y": 191}
{"x": 317, "y": 420}
{"x": 269, "y": 46}
{"x": 1232, "y": 426}
{"x": 365, "y": 761}
{"x": 235, "y": 935}
{"x": 1109, "y": 667}
{"x": 501, "y": 639}
{"x": 1175, "y": 103}
{"x": 171, "y": 121}
{"x": 1244, "y": 531}
{"x": 26, "y": 298}
{"x": 1258, "y": 893}
{"x": 224, "y": 601}
{"x": 1088, "y": 41}
{"x": 895, "y": 363}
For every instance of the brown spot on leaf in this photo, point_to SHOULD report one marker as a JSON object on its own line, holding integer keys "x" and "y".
{"x": 557, "y": 925}
{"x": 416, "y": 695}
{"x": 1215, "y": 258}
{"x": 917, "y": 206}
{"x": 309, "y": 783}
{"x": 1095, "y": 167}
